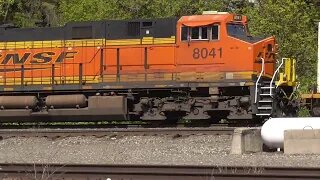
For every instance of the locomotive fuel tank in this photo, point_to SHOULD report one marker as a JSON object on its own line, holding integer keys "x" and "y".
{"x": 66, "y": 101}
{"x": 18, "y": 102}
{"x": 272, "y": 131}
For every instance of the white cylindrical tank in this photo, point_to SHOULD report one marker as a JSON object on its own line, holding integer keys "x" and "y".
{"x": 272, "y": 131}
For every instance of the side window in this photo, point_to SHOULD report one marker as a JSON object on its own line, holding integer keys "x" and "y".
{"x": 204, "y": 33}
{"x": 215, "y": 32}
{"x": 195, "y": 33}
{"x": 184, "y": 33}
{"x": 200, "y": 33}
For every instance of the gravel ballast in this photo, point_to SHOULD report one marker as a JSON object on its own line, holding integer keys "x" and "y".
{"x": 190, "y": 150}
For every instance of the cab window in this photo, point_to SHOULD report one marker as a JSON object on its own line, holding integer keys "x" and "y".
{"x": 215, "y": 32}
{"x": 184, "y": 33}
{"x": 236, "y": 30}
{"x": 200, "y": 33}
{"x": 195, "y": 33}
{"x": 204, "y": 33}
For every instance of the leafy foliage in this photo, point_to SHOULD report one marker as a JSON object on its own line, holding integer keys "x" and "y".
{"x": 4, "y": 9}
{"x": 73, "y": 10}
{"x": 28, "y": 13}
{"x": 292, "y": 22}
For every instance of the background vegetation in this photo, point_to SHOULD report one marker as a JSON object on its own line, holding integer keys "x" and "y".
{"x": 291, "y": 21}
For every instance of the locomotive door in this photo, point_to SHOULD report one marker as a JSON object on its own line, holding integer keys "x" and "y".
{"x": 123, "y": 64}
{"x": 63, "y": 66}
{"x": 199, "y": 45}
{"x": 58, "y": 67}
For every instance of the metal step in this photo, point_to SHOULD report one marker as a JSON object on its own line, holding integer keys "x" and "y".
{"x": 265, "y": 107}
{"x": 262, "y": 114}
{"x": 267, "y": 87}
{"x": 265, "y": 101}
{"x": 266, "y": 94}
{"x": 265, "y": 83}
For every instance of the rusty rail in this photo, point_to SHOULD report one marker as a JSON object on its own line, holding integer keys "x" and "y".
{"x": 154, "y": 172}
{"x": 56, "y": 133}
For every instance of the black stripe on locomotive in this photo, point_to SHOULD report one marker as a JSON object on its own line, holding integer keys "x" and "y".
{"x": 106, "y": 29}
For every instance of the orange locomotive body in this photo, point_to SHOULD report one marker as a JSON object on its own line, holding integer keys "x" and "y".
{"x": 200, "y": 67}
{"x": 202, "y": 45}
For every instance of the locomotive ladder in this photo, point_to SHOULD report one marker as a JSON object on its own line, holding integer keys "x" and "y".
{"x": 265, "y": 99}
{"x": 265, "y": 92}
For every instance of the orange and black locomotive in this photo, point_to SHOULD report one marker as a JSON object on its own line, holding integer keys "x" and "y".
{"x": 199, "y": 67}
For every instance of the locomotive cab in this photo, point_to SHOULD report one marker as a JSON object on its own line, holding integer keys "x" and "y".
{"x": 220, "y": 42}
{"x": 219, "y": 49}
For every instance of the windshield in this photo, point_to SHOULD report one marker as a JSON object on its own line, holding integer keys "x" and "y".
{"x": 240, "y": 31}
{"x": 236, "y": 30}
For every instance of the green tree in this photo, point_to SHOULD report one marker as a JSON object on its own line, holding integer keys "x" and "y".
{"x": 75, "y": 10}
{"x": 82, "y": 10}
{"x": 292, "y": 23}
{"x": 28, "y": 13}
{"x": 4, "y": 9}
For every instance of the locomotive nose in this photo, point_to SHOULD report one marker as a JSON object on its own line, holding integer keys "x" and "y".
{"x": 270, "y": 50}
{"x": 266, "y": 49}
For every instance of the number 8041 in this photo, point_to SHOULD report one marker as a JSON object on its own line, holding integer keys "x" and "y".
{"x": 206, "y": 53}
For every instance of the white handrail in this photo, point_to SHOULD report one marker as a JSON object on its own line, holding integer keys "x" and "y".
{"x": 274, "y": 75}
{"x": 262, "y": 71}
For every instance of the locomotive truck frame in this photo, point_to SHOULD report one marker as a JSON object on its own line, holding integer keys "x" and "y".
{"x": 199, "y": 68}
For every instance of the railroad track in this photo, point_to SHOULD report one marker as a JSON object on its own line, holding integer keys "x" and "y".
{"x": 57, "y": 133}
{"x": 154, "y": 172}
{"x": 103, "y": 125}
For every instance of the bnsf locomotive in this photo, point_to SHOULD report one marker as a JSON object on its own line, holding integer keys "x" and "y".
{"x": 200, "y": 68}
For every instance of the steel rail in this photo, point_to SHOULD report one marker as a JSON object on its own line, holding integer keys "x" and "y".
{"x": 154, "y": 172}
{"x": 56, "y": 133}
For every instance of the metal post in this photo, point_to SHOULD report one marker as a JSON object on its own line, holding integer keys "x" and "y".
{"x": 80, "y": 74}
{"x": 118, "y": 64}
{"x": 146, "y": 58}
{"x": 22, "y": 75}
{"x": 257, "y": 83}
{"x": 145, "y": 63}
{"x": 52, "y": 76}
{"x": 318, "y": 70}
{"x": 101, "y": 63}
